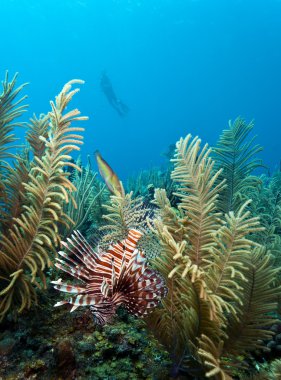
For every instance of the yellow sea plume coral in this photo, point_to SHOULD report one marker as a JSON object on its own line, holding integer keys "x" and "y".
{"x": 33, "y": 234}
{"x": 123, "y": 213}
{"x": 236, "y": 154}
{"x": 222, "y": 289}
{"x": 10, "y": 109}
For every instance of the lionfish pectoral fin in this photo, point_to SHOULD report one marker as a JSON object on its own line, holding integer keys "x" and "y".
{"x": 63, "y": 287}
{"x": 60, "y": 303}
{"x": 73, "y": 308}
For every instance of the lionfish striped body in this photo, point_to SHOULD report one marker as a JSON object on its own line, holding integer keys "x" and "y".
{"x": 109, "y": 279}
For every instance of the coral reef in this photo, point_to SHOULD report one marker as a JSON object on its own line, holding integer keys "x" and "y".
{"x": 54, "y": 344}
{"x": 210, "y": 228}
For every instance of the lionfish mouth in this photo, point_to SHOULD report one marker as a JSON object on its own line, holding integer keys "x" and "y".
{"x": 119, "y": 276}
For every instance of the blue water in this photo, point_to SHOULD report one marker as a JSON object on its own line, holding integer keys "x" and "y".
{"x": 182, "y": 66}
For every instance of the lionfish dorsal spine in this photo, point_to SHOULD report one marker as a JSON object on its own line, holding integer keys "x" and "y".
{"x": 105, "y": 288}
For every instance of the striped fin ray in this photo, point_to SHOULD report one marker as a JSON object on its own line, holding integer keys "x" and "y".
{"x": 120, "y": 284}
{"x": 137, "y": 264}
{"x": 125, "y": 247}
{"x": 111, "y": 276}
{"x": 147, "y": 291}
{"x": 131, "y": 243}
{"x": 145, "y": 287}
{"x": 79, "y": 258}
{"x": 77, "y": 271}
{"x": 84, "y": 247}
{"x": 80, "y": 300}
{"x": 70, "y": 270}
{"x": 78, "y": 247}
{"x": 132, "y": 271}
{"x": 149, "y": 281}
{"x": 117, "y": 252}
{"x": 63, "y": 287}
{"x": 105, "y": 288}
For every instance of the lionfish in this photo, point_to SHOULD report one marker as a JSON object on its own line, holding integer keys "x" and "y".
{"x": 119, "y": 276}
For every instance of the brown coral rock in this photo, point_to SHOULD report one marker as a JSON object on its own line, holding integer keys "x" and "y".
{"x": 65, "y": 360}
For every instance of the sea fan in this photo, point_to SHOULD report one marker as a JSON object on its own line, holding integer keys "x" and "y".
{"x": 117, "y": 277}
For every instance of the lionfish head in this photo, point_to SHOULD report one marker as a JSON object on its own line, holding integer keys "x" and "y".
{"x": 103, "y": 314}
{"x": 119, "y": 276}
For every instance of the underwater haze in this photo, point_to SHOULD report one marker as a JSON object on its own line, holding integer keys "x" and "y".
{"x": 159, "y": 258}
{"x": 181, "y": 66}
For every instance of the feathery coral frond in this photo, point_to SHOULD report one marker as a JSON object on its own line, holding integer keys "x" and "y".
{"x": 16, "y": 176}
{"x": 173, "y": 219}
{"x": 194, "y": 170}
{"x": 210, "y": 353}
{"x": 10, "y": 109}
{"x": 88, "y": 194}
{"x": 236, "y": 155}
{"x": 259, "y": 300}
{"x": 38, "y": 127}
{"x": 267, "y": 205}
{"x": 124, "y": 213}
{"x": 26, "y": 247}
{"x": 176, "y": 322}
{"x": 229, "y": 258}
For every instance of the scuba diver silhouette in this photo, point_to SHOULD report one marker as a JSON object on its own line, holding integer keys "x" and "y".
{"x": 108, "y": 91}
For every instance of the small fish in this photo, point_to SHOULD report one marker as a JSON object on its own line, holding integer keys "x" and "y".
{"x": 110, "y": 177}
{"x": 118, "y": 276}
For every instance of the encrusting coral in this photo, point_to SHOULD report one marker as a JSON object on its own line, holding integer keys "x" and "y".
{"x": 31, "y": 236}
